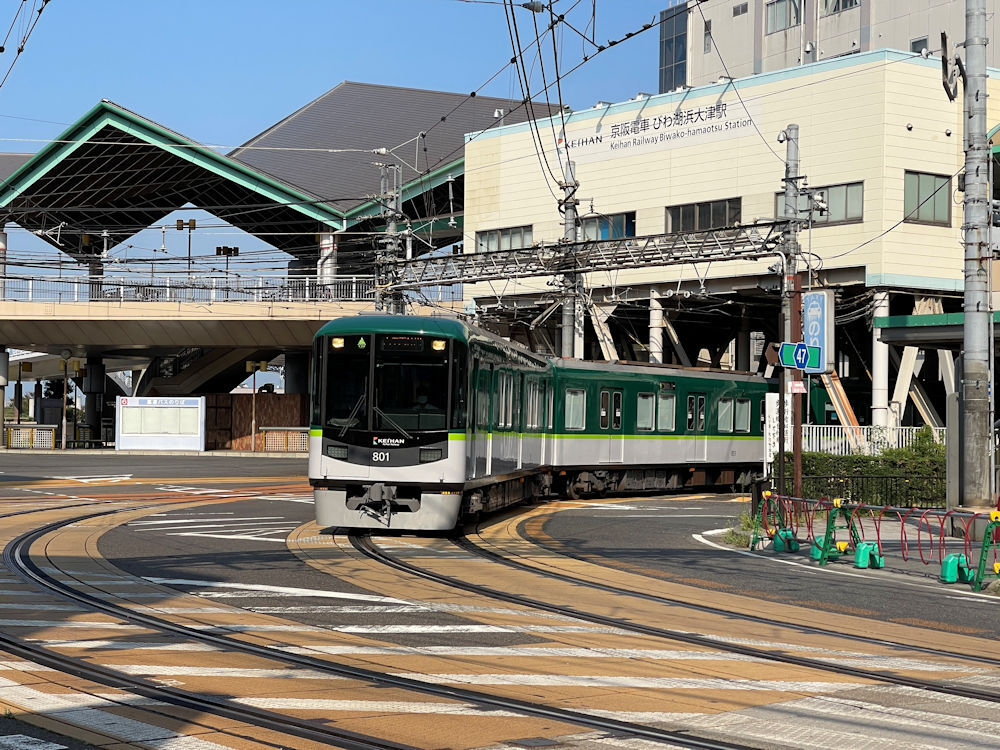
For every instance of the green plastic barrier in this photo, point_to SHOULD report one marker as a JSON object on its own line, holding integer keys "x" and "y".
{"x": 866, "y": 555}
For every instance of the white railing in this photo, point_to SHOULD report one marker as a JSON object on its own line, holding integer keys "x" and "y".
{"x": 200, "y": 288}
{"x": 844, "y": 441}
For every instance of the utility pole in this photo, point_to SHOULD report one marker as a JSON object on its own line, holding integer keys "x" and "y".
{"x": 571, "y": 298}
{"x": 974, "y": 394}
{"x": 793, "y": 298}
{"x": 391, "y": 199}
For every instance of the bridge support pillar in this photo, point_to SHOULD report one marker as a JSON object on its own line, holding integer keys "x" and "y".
{"x": 326, "y": 265}
{"x": 93, "y": 390}
{"x": 297, "y": 372}
{"x": 655, "y": 327}
{"x": 743, "y": 343}
{"x": 880, "y": 366}
{"x": 36, "y": 403}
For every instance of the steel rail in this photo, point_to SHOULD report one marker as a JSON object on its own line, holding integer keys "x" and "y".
{"x": 468, "y": 545}
{"x": 16, "y": 556}
{"x": 367, "y": 547}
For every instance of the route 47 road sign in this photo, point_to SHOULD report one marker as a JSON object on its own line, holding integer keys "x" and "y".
{"x": 799, "y": 356}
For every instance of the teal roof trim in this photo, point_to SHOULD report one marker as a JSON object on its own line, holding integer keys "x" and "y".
{"x": 107, "y": 113}
{"x": 717, "y": 89}
{"x": 411, "y": 189}
{"x": 924, "y": 321}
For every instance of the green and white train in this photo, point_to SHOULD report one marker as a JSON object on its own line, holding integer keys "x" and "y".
{"x": 418, "y": 422}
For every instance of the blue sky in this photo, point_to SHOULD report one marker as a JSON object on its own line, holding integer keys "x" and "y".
{"x": 220, "y": 71}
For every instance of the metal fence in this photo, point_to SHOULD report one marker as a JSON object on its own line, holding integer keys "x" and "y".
{"x": 898, "y": 491}
{"x": 202, "y": 288}
{"x": 839, "y": 440}
{"x": 286, "y": 439}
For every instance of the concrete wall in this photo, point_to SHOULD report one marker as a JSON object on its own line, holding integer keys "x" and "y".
{"x": 873, "y": 25}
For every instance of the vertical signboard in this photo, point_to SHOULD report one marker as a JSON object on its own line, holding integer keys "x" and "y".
{"x": 817, "y": 328}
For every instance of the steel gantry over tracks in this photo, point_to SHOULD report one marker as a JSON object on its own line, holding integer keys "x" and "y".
{"x": 747, "y": 242}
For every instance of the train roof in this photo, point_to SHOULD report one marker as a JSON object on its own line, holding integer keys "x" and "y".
{"x": 645, "y": 368}
{"x": 412, "y": 324}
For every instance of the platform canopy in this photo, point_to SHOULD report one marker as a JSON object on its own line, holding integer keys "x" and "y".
{"x": 114, "y": 173}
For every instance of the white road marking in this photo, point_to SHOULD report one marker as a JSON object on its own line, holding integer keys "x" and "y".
{"x": 182, "y": 521}
{"x": 68, "y": 624}
{"x": 523, "y": 652}
{"x": 277, "y": 590}
{"x": 658, "y": 683}
{"x": 434, "y": 629}
{"x": 85, "y": 711}
{"x": 23, "y": 742}
{"x": 125, "y": 645}
{"x": 91, "y": 478}
{"x": 162, "y": 670}
{"x": 442, "y": 709}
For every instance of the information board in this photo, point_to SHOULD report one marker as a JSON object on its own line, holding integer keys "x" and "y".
{"x": 160, "y": 423}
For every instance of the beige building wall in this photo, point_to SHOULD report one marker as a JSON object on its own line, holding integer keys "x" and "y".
{"x": 869, "y": 118}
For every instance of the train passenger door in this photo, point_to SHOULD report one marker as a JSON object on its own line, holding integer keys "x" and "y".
{"x": 480, "y": 443}
{"x": 696, "y": 426}
{"x": 613, "y": 450}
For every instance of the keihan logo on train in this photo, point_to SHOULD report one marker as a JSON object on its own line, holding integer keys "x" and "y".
{"x": 392, "y": 442}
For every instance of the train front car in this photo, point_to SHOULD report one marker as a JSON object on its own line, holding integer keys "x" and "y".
{"x": 388, "y": 403}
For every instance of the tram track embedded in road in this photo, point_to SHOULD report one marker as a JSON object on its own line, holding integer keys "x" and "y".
{"x": 365, "y": 545}
{"x": 465, "y": 543}
{"x": 18, "y": 559}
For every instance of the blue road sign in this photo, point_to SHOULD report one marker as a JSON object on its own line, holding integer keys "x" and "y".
{"x": 798, "y": 356}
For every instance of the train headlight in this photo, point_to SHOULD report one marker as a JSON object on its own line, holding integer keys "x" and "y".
{"x": 430, "y": 454}
{"x": 438, "y": 345}
{"x": 337, "y": 451}
{"x": 337, "y": 342}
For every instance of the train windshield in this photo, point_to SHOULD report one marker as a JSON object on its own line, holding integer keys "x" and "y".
{"x": 410, "y": 386}
{"x": 348, "y": 362}
{"x": 391, "y": 383}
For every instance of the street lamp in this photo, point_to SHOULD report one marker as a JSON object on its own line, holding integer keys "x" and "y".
{"x": 228, "y": 252}
{"x": 191, "y": 225}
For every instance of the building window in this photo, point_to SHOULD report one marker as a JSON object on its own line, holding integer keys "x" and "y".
{"x": 927, "y": 198}
{"x": 708, "y": 37}
{"x": 835, "y": 6}
{"x": 740, "y": 9}
{"x": 613, "y": 227}
{"x": 835, "y": 204}
{"x": 693, "y": 217}
{"x": 782, "y": 14}
{"x": 576, "y": 405}
{"x": 644, "y": 409}
{"x": 511, "y": 238}
{"x": 919, "y": 45}
{"x": 673, "y": 48}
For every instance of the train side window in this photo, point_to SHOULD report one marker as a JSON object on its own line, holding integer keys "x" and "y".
{"x": 605, "y": 409}
{"x": 725, "y": 415}
{"x": 576, "y": 408}
{"x": 616, "y": 416}
{"x": 701, "y": 413}
{"x": 742, "y": 415}
{"x": 515, "y": 401}
{"x": 690, "y": 413}
{"x": 551, "y": 404}
{"x": 666, "y": 412}
{"x": 763, "y": 413}
{"x": 644, "y": 412}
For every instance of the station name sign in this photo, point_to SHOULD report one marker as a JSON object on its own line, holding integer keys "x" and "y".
{"x": 637, "y": 133}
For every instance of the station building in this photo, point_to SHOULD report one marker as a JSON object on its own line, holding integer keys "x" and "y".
{"x": 879, "y": 139}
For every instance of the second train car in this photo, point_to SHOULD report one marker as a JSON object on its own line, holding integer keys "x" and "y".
{"x": 417, "y": 422}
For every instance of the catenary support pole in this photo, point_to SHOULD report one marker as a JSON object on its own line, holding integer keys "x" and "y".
{"x": 567, "y": 328}
{"x": 976, "y": 432}
{"x": 793, "y": 293}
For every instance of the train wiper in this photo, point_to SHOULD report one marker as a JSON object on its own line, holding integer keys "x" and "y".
{"x": 354, "y": 412}
{"x": 386, "y": 417}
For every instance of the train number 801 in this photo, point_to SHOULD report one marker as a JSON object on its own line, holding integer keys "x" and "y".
{"x": 380, "y": 457}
